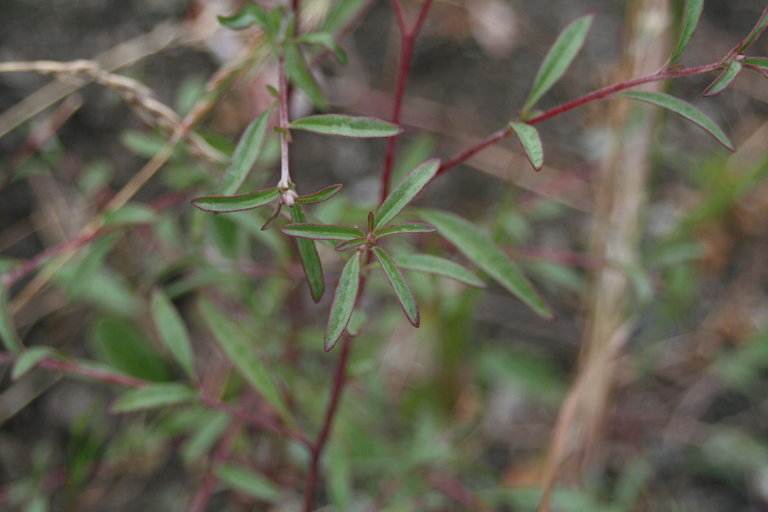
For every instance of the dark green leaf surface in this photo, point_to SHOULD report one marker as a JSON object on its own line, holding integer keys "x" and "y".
{"x": 724, "y": 80}
{"x": 691, "y": 14}
{"x": 299, "y": 75}
{"x": 241, "y": 352}
{"x": 683, "y": 109}
{"x": 223, "y": 204}
{"x": 310, "y": 261}
{"x": 761, "y": 62}
{"x": 343, "y": 302}
{"x": 249, "y": 15}
{"x": 245, "y": 155}
{"x": 346, "y": 126}
{"x": 153, "y": 396}
{"x": 29, "y": 359}
{"x": 439, "y": 266}
{"x": 411, "y": 185}
{"x": 126, "y": 348}
{"x": 402, "y": 229}
{"x": 320, "y": 195}
{"x": 529, "y": 138}
{"x": 245, "y": 480}
{"x": 322, "y": 231}
{"x": 558, "y": 58}
{"x": 351, "y": 244}
{"x": 470, "y": 240}
{"x": 326, "y": 40}
{"x": 762, "y": 22}
{"x": 7, "y": 332}
{"x": 173, "y": 332}
{"x": 399, "y": 286}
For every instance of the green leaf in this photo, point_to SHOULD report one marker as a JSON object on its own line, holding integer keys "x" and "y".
{"x": 325, "y": 39}
{"x": 761, "y": 62}
{"x": 310, "y": 261}
{"x": 346, "y": 126}
{"x": 173, "y": 332}
{"x": 126, "y": 348}
{"x": 7, "y": 331}
{"x": 411, "y": 185}
{"x": 242, "y": 353}
{"x": 211, "y": 428}
{"x": 484, "y": 253}
{"x": 529, "y": 138}
{"x": 724, "y": 79}
{"x": 402, "y": 229}
{"x": 440, "y": 266}
{"x": 153, "y": 396}
{"x": 245, "y": 480}
{"x": 558, "y": 58}
{"x": 399, "y": 286}
{"x": 343, "y": 302}
{"x": 691, "y": 14}
{"x": 249, "y": 15}
{"x": 29, "y": 359}
{"x": 131, "y": 214}
{"x": 320, "y": 195}
{"x": 222, "y": 204}
{"x": 246, "y": 153}
{"x": 683, "y": 109}
{"x": 299, "y": 74}
{"x": 322, "y": 231}
{"x": 351, "y": 244}
{"x": 762, "y": 22}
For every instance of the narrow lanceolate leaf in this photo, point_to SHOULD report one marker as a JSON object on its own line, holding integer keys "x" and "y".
{"x": 691, "y": 14}
{"x": 346, "y": 126}
{"x": 486, "y": 255}
{"x": 761, "y": 62}
{"x": 439, "y": 266}
{"x": 558, "y": 58}
{"x": 245, "y": 480}
{"x": 153, "y": 396}
{"x": 299, "y": 75}
{"x": 683, "y": 109}
{"x": 222, "y": 204}
{"x": 326, "y": 39}
{"x": 351, "y": 244}
{"x": 724, "y": 80}
{"x": 403, "y": 229}
{"x": 173, "y": 332}
{"x": 529, "y": 138}
{"x": 320, "y": 195}
{"x": 29, "y": 359}
{"x": 399, "y": 286}
{"x": 7, "y": 331}
{"x": 760, "y": 26}
{"x": 343, "y": 302}
{"x": 241, "y": 351}
{"x": 310, "y": 261}
{"x": 250, "y": 14}
{"x": 245, "y": 155}
{"x": 405, "y": 192}
{"x": 322, "y": 231}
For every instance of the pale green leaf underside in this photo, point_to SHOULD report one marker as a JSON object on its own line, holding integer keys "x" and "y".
{"x": 724, "y": 79}
{"x": 245, "y": 155}
{"x": 411, "y": 185}
{"x": 241, "y": 351}
{"x": 439, "y": 266}
{"x": 29, "y": 359}
{"x": 558, "y": 58}
{"x": 310, "y": 261}
{"x": 223, "y": 204}
{"x": 322, "y": 231}
{"x": 173, "y": 332}
{"x": 343, "y": 301}
{"x": 153, "y": 396}
{"x": 346, "y": 126}
{"x": 399, "y": 286}
{"x": 691, "y": 14}
{"x": 487, "y": 256}
{"x": 683, "y": 109}
{"x": 531, "y": 142}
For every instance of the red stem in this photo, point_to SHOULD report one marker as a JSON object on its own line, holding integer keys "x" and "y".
{"x": 599, "y": 94}
{"x": 407, "y": 43}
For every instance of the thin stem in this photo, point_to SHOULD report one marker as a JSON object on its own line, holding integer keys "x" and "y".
{"x": 285, "y": 172}
{"x": 663, "y": 74}
{"x": 407, "y": 43}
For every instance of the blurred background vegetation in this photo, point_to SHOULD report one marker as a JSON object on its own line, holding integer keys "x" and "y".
{"x": 458, "y": 414}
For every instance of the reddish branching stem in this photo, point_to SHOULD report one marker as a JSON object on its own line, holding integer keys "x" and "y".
{"x": 605, "y": 92}
{"x": 407, "y": 43}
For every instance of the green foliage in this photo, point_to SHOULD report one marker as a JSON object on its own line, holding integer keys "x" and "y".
{"x": 343, "y": 302}
{"x": 691, "y": 13}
